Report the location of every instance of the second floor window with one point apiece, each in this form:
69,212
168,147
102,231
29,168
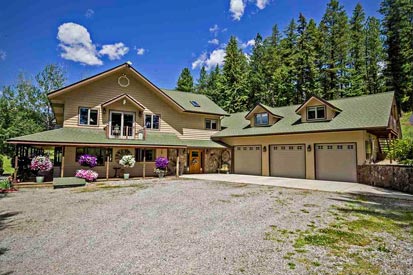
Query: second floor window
318,112
152,121
211,124
261,119
88,116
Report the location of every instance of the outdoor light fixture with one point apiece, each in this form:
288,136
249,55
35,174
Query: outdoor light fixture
309,148
104,110
264,149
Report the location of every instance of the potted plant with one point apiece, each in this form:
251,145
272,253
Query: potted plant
39,165
87,161
161,164
127,161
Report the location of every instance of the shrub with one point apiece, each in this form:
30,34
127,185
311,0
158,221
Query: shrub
402,151
88,175
5,184
88,161
127,161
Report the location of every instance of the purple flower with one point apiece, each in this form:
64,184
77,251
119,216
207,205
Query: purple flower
41,164
161,163
88,160
88,175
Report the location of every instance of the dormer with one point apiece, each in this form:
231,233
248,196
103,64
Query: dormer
317,109
262,115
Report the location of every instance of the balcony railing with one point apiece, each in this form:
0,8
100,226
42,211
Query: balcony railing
126,132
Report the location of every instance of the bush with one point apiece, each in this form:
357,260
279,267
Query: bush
5,184
1,165
401,150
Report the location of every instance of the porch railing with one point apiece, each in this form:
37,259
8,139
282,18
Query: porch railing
127,132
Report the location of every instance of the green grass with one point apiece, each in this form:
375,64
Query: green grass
7,165
407,129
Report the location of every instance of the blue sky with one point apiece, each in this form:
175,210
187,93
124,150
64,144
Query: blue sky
158,37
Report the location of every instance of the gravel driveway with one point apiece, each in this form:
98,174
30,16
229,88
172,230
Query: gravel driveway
200,227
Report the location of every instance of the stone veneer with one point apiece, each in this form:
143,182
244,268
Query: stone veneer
396,177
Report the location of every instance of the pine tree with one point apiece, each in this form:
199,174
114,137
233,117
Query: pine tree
306,62
214,86
334,29
235,82
201,86
357,53
256,76
398,29
185,81
374,57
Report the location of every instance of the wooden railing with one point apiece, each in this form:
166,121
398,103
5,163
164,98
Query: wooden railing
126,132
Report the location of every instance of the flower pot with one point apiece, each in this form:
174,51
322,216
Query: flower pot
126,176
39,179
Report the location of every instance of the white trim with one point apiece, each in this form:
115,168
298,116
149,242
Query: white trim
122,122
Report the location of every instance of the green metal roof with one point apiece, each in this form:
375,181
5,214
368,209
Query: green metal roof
98,137
184,100
370,111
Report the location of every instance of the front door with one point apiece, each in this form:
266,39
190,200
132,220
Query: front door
194,161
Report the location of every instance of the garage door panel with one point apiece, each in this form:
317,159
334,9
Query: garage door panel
336,162
247,160
287,161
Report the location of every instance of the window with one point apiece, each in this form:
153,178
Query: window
152,122
149,155
261,119
100,153
194,103
314,113
211,124
88,116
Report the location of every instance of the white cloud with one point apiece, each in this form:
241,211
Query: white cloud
114,51
216,57
140,51
261,4
214,41
214,29
247,44
3,55
77,46
89,13
237,8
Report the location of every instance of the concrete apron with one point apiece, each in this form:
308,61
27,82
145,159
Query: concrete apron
318,185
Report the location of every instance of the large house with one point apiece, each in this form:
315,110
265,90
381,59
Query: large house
120,112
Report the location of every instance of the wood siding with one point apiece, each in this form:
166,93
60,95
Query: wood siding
173,120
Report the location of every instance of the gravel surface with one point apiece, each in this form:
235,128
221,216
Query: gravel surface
180,227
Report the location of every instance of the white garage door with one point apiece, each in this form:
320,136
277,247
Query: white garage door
247,160
287,160
336,162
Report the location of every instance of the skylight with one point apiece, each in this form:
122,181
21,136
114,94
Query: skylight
194,103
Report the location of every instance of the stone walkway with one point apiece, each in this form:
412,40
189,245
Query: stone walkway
319,185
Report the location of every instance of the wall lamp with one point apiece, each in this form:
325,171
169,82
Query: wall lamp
264,149
309,148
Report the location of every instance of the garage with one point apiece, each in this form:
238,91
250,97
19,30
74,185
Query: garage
336,161
247,160
287,160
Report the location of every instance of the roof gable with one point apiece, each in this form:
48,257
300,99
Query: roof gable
258,107
127,97
316,98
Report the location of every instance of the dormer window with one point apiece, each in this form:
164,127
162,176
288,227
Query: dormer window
261,119
316,113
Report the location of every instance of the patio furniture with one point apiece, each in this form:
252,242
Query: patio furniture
224,169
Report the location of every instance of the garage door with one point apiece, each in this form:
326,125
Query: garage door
336,162
287,160
247,160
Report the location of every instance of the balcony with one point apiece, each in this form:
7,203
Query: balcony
127,132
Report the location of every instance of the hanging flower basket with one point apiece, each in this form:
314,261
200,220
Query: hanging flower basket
161,164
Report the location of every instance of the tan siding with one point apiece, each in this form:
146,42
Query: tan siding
314,102
94,94
197,134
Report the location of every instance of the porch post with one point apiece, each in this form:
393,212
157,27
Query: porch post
144,166
177,163
16,167
62,166
107,168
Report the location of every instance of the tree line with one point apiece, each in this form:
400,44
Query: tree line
25,108
341,56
